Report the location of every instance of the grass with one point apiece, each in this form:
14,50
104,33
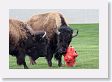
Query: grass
86,45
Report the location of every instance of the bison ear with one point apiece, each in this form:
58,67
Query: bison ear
75,33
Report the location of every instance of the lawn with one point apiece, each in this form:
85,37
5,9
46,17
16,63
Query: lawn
86,45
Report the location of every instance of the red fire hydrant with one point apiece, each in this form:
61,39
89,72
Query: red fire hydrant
70,56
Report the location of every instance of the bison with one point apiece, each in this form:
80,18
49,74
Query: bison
59,34
23,40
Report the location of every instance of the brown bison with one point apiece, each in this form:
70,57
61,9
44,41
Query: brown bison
59,34
23,40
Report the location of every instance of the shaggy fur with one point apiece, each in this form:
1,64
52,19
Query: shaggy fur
49,22
23,40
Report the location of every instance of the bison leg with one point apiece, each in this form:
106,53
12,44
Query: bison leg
58,58
49,63
21,60
32,62
25,66
49,58
59,62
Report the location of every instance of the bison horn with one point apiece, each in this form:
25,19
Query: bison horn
75,34
44,35
58,32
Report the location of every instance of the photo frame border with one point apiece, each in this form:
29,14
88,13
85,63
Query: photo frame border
102,72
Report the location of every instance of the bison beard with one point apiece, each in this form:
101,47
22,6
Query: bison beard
22,40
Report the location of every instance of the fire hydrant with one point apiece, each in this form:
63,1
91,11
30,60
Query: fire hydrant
70,56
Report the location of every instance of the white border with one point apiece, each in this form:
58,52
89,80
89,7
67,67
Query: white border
101,5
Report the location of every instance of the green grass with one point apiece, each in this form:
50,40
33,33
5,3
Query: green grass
86,45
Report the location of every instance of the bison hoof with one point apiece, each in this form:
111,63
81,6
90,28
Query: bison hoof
60,64
50,65
19,62
26,67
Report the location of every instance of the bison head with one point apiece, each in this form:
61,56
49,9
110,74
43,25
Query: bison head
39,45
65,36
38,36
35,39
